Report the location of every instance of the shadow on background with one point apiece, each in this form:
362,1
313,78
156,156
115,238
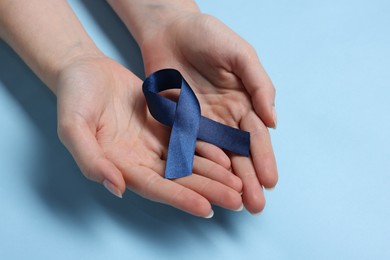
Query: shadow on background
57,180
117,32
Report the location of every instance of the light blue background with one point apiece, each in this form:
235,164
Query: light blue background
330,63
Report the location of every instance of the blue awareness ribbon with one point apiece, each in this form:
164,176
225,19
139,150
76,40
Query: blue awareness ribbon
187,123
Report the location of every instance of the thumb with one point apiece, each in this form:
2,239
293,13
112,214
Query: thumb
258,84
82,144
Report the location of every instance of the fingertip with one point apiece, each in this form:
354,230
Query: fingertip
117,187
266,169
270,189
269,182
76,135
195,204
252,194
262,155
210,215
254,201
236,202
259,86
152,186
106,173
112,188
231,200
240,208
275,118
265,108
253,198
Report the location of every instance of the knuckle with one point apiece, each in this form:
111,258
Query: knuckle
184,199
240,106
69,126
150,183
179,198
225,160
64,130
235,182
259,130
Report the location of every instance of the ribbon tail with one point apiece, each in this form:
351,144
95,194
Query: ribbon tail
181,149
225,137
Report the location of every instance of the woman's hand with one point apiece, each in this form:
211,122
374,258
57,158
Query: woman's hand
103,118
105,124
230,83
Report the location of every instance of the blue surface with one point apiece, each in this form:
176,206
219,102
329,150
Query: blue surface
330,63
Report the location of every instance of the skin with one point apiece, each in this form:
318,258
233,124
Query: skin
225,73
103,118
106,126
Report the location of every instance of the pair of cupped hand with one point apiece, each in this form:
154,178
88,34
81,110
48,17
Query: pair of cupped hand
105,123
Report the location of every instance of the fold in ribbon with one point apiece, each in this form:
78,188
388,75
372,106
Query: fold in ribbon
187,124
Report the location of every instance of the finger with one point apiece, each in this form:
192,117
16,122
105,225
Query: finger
216,191
252,194
258,84
82,144
213,153
213,191
152,186
262,154
216,172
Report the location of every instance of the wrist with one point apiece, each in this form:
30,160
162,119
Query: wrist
145,18
46,34
52,71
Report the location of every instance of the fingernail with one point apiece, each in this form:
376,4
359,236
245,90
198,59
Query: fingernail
275,117
210,215
257,214
240,208
112,188
269,189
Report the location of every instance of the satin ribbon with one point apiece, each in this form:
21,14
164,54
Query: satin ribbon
184,116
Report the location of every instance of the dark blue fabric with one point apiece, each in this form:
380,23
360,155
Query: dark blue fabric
187,124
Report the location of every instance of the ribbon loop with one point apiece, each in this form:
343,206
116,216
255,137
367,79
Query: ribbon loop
187,123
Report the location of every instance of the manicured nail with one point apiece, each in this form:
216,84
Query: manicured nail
210,215
240,208
257,214
275,117
269,189
112,188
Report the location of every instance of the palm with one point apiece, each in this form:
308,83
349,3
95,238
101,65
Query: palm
103,99
213,60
